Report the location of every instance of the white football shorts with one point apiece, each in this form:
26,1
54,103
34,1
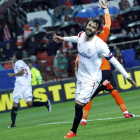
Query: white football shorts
22,92
85,90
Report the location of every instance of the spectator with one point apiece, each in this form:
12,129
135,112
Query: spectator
119,57
123,4
28,9
3,56
36,76
38,28
61,63
39,8
33,46
85,1
27,31
135,3
83,26
129,19
77,8
123,31
138,29
13,27
1,33
56,16
13,41
9,51
68,3
46,8
42,47
52,47
67,18
72,32
7,35
132,32
66,55
115,22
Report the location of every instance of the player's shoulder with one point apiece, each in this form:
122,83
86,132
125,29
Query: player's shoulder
19,63
99,41
97,38
81,33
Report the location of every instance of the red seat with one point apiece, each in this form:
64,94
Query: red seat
7,65
50,60
42,55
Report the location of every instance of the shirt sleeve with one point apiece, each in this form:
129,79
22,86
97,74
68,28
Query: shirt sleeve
73,39
119,67
107,21
103,49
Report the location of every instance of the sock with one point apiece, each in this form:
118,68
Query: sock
125,112
88,105
13,115
119,100
77,118
37,104
86,109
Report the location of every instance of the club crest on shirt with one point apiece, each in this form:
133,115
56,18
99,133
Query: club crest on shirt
89,50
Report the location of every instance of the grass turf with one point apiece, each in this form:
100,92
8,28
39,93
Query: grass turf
28,121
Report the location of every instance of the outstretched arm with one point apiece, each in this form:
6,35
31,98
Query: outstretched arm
69,39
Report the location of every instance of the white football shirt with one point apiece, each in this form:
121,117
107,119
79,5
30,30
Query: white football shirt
91,54
25,79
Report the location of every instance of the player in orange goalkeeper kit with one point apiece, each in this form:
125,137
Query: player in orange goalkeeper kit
106,72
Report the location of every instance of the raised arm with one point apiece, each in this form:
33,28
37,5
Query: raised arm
104,6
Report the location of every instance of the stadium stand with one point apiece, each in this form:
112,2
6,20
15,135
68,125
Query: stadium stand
12,28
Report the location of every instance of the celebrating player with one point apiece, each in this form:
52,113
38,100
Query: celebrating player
106,71
23,87
91,51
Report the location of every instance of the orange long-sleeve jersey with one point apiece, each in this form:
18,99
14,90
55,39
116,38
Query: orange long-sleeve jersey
103,35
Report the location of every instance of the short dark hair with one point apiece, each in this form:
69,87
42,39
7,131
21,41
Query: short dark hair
97,22
18,55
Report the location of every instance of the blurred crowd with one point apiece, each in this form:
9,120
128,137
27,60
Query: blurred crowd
14,38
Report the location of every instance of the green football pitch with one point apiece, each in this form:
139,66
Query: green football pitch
106,121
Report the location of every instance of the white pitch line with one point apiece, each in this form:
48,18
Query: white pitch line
87,120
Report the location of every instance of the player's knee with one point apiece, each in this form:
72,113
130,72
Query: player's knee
15,104
29,104
114,93
77,102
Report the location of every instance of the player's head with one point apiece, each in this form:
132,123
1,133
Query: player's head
18,55
92,28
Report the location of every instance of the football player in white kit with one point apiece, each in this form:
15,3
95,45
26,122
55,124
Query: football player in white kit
91,51
23,88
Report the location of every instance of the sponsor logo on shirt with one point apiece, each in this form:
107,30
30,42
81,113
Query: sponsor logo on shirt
84,55
89,50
